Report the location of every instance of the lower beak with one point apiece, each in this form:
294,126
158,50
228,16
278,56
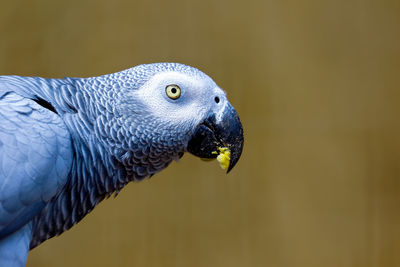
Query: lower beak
217,132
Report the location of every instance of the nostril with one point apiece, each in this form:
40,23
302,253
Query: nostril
216,99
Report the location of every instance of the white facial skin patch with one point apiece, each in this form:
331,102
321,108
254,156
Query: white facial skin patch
193,101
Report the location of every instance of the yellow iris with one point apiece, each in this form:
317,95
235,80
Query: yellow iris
173,91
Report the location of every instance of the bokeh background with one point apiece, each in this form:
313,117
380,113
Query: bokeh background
316,84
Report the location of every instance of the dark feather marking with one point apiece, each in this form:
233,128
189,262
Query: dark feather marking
44,103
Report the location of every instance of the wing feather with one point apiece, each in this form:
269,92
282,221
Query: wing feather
35,158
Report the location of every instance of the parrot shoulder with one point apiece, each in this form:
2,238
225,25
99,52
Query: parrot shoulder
35,158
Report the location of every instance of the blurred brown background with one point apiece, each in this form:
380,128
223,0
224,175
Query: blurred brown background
316,84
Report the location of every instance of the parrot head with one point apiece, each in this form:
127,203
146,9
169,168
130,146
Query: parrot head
168,109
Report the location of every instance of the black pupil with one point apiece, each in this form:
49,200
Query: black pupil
173,90
216,99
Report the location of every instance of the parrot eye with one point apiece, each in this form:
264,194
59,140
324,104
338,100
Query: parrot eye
173,91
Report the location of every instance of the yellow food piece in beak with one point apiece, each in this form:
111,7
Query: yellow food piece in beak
224,157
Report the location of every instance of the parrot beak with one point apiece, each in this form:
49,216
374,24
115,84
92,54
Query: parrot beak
218,133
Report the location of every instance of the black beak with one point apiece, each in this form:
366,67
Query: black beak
214,133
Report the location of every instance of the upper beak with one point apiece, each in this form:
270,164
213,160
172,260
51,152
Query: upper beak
224,130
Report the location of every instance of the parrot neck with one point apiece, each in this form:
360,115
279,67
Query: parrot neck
91,179
94,175
107,155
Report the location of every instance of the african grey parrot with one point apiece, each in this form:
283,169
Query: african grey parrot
66,144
